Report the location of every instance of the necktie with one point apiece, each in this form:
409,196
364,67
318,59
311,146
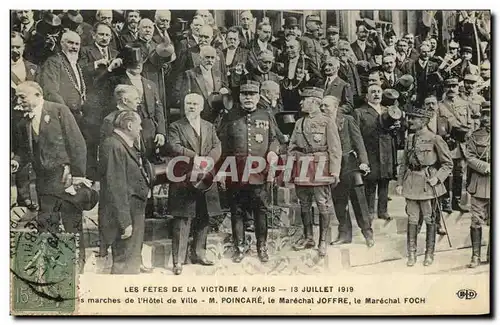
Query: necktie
248,37
104,53
391,80
328,81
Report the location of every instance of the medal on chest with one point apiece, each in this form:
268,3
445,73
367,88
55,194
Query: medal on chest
259,138
317,137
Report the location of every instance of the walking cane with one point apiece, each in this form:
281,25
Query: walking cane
436,198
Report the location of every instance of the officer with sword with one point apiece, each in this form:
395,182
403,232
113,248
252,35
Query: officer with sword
426,165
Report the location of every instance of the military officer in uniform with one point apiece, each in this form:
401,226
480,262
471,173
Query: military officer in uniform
247,132
315,144
458,123
426,165
477,152
470,95
354,161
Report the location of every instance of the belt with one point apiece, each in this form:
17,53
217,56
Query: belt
312,150
416,168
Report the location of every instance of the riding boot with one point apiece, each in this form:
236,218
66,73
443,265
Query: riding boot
324,223
307,240
412,244
475,235
430,243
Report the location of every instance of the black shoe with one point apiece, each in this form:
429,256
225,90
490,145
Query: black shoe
385,216
238,257
322,248
341,241
263,256
145,269
476,237
446,205
304,243
201,261
177,269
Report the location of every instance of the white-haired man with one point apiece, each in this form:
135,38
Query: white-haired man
61,76
192,137
163,19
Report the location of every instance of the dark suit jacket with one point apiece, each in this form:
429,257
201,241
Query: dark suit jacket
240,56
243,41
59,142
85,30
31,72
124,188
360,55
185,44
59,84
153,119
190,58
380,145
349,73
425,85
88,55
254,51
126,36
158,38
192,82
342,90
350,140
184,141
385,81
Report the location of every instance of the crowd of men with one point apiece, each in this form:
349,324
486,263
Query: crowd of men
96,107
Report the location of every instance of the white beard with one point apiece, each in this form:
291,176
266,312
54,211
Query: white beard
72,57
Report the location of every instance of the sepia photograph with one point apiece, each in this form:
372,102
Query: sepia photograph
250,162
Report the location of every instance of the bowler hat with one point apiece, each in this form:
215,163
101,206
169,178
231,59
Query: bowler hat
74,16
51,19
290,22
312,92
166,52
405,81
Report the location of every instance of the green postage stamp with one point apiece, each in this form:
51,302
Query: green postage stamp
43,271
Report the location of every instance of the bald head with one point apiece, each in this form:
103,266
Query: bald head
146,29
271,90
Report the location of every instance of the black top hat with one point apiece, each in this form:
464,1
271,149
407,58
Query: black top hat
131,55
221,102
290,22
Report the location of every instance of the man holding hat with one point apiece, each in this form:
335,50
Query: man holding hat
245,132
45,41
456,123
315,143
192,137
477,152
310,40
425,167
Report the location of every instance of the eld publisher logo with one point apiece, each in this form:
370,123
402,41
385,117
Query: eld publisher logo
467,294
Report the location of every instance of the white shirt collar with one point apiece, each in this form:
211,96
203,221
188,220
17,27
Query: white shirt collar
125,137
361,44
205,70
262,45
195,122
195,38
132,77
422,62
19,62
28,26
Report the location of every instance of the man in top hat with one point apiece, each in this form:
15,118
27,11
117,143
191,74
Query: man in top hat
425,167
457,123
315,138
350,187
150,108
477,152
130,31
310,40
380,146
290,29
247,132
206,80
470,95
335,86
49,144
195,138
125,188
61,76
466,67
